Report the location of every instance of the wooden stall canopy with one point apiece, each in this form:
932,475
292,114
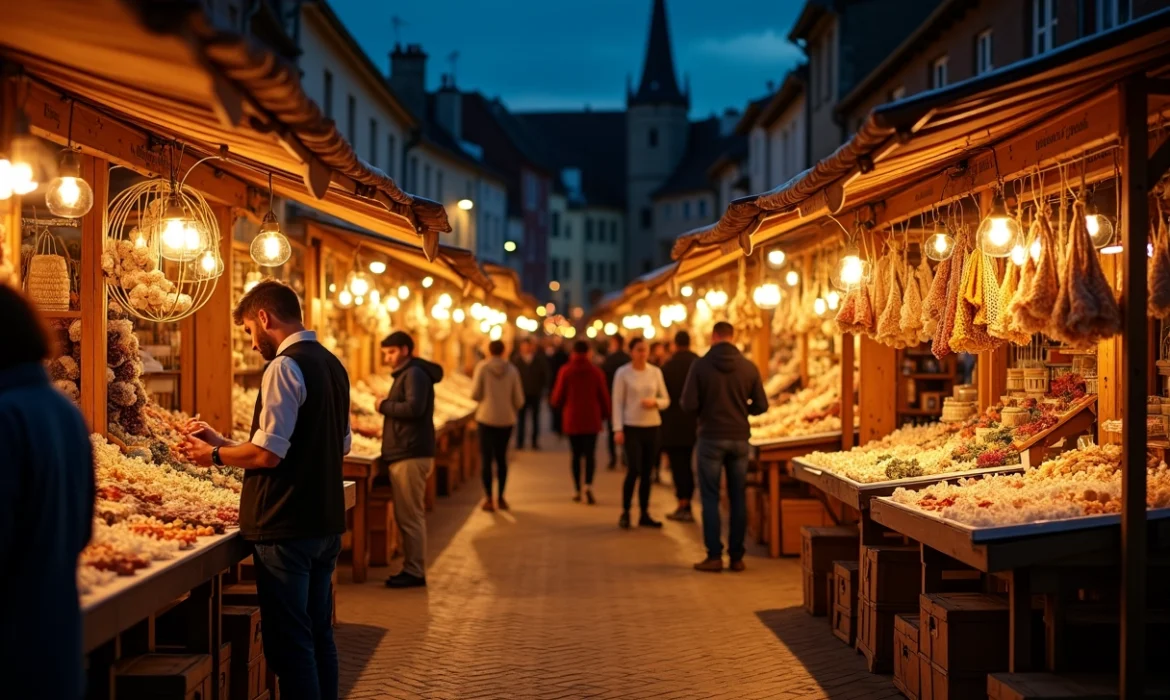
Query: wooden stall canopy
905,157
657,281
456,265
141,75
506,288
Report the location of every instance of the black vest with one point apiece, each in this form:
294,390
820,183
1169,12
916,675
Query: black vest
303,496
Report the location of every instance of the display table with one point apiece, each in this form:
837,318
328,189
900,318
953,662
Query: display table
772,454
362,469
1040,558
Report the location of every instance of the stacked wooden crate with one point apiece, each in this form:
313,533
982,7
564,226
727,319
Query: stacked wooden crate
820,547
961,639
890,581
844,613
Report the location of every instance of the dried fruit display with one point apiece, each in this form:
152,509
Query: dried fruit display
814,409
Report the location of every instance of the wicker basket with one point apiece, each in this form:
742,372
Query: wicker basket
1012,417
47,284
1036,380
954,411
1090,385
1015,380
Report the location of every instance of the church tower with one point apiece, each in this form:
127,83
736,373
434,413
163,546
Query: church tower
657,129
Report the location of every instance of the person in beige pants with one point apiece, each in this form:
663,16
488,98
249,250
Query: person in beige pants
408,447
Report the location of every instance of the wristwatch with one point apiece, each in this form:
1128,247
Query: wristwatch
215,457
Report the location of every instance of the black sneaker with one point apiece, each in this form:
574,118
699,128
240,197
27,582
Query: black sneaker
405,580
624,521
682,515
590,499
646,521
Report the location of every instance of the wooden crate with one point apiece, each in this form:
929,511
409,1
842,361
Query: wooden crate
243,593
271,685
241,627
906,655
795,515
891,575
248,680
225,670
1042,686
937,684
964,632
816,601
845,575
844,625
875,635
821,546
164,677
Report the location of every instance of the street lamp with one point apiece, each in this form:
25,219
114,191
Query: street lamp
466,204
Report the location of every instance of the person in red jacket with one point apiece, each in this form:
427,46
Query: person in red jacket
581,394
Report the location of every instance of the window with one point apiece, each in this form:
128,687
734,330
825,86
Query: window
1043,26
983,55
702,208
647,217
414,174
568,268
1111,13
826,66
897,93
568,231
374,142
427,180
556,224
588,230
439,186
351,120
391,151
938,72
556,268
652,137
328,95
613,232
588,273
686,209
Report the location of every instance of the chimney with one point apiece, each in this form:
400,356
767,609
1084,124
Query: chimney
449,107
727,123
408,78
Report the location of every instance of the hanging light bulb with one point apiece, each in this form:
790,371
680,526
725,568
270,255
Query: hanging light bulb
207,266
1019,255
344,298
445,300
833,299
687,291
375,297
270,248
392,304
767,295
776,257
24,168
69,195
1100,229
610,328
939,246
999,232
851,270
359,299
496,333
458,315
820,306
403,292
180,237
792,278
377,267
359,284
591,332
139,239
427,282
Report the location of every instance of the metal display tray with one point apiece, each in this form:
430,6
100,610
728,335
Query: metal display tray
857,494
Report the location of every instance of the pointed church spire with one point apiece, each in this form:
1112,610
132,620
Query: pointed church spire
659,85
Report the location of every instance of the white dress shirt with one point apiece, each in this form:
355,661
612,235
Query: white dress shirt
283,391
630,386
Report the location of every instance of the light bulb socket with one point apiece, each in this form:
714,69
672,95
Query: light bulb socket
270,224
69,165
999,207
175,208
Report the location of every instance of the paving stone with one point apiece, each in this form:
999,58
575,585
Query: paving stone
551,600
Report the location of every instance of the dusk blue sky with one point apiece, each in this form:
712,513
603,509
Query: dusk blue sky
564,54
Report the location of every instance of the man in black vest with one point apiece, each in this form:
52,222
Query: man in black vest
292,508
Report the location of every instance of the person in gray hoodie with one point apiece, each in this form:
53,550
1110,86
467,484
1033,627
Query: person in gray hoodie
723,387
497,387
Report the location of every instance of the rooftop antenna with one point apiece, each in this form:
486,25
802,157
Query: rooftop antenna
453,59
397,23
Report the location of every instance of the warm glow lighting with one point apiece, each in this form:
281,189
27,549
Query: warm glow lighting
209,265
332,288
554,286
403,292
569,332
610,328
820,306
250,281
833,299
377,267
359,300
509,246
648,332
776,257
999,232
440,313
1019,255
345,298
427,282
466,204
359,284
392,304
939,246
1112,249
496,333
792,278
375,297
1034,250
270,248
458,315
598,323
541,311
68,195
687,290
716,298
1100,229
445,300
591,332
550,308
180,239
767,296
139,239
484,326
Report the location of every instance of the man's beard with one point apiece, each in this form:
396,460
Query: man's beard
266,344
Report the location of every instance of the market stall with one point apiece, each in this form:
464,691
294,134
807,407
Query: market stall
995,218
171,131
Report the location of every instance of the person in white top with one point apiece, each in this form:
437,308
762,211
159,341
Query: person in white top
639,396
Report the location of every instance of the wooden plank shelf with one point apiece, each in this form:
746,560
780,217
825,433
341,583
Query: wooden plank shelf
59,314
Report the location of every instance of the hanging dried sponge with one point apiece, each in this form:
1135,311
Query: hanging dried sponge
1004,326
1086,311
910,321
889,325
946,325
1036,298
68,388
1158,277
847,314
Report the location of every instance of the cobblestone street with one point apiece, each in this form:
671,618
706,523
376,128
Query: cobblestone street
552,600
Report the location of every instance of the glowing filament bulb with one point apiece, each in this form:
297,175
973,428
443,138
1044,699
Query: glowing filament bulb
403,292
852,270
819,306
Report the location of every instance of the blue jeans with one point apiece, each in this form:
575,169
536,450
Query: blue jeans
296,609
714,456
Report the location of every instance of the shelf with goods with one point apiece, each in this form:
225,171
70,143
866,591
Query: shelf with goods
923,382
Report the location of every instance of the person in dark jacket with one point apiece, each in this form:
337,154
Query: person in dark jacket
533,366
678,427
723,388
46,513
557,358
292,506
581,394
408,447
614,359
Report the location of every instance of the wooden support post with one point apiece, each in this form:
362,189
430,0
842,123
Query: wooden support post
10,235
212,339
1134,216
847,388
1109,405
878,390
762,345
93,298
1020,622
992,376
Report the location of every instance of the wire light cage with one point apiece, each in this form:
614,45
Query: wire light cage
161,256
